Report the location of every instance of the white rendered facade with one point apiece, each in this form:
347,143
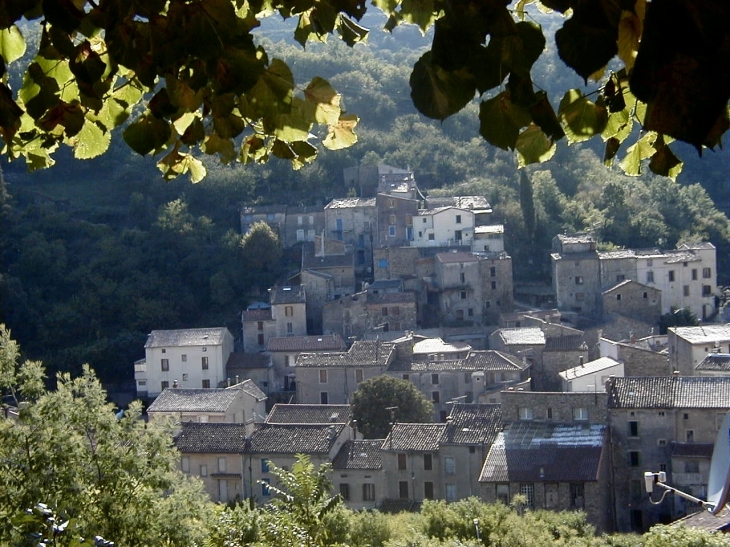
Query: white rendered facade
443,227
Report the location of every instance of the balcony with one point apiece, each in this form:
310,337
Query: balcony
687,479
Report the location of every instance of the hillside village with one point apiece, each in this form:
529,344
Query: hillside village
564,394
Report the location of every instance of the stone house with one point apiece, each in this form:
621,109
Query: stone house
662,424
527,343
367,180
395,214
576,273
357,473
715,364
541,432
591,376
289,310
331,378
688,346
258,327
273,215
354,315
301,224
285,350
635,300
640,357
191,358
353,221
488,239
242,403
309,414
256,367
559,354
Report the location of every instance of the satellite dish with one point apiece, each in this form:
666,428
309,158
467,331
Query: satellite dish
718,486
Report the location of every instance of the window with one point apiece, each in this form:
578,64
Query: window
706,290
706,273
494,285
636,489
689,435
222,464
620,278
528,490
685,290
650,277
435,379
502,491
185,377
577,495
322,376
487,304
391,230
382,263
204,362
403,490
431,237
427,462
324,398
409,220
264,465
205,349
405,376
402,461
311,220
428,490
633,429
549,413
384,311
260,339
458,219
359,375
289,328
470,312
691,466
206,384
203,470
265,490
661,442
164,385
450,491
368,492
289,311
165,364
396,310
184,358
662,467
462,277
345,491
618,296
578,279
449,465
579,296
580,414
436,397
671,275
185,464
300,220
463,295
467,377
525,413
694,275
634,459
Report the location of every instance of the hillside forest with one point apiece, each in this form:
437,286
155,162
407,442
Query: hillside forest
95,254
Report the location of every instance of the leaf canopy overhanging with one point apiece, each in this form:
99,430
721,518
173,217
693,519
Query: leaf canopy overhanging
189,74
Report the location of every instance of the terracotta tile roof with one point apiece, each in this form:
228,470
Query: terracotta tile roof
476,360
538,452
472,424
257,315
566,343
420,437
705,520
294,438
715,361
522,336
359,454
193,400
361,354
211,438
309,414
287,295
670,392
329,342
186,337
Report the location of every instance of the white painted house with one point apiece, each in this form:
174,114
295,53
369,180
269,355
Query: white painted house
443,227
185,358
591,376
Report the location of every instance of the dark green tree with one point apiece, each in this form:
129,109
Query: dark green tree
261,247
384,399
677,317
527,203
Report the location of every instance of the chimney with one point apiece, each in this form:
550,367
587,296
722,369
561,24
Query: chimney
632,337
236,379
580,360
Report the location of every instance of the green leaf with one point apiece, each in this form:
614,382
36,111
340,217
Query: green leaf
147,134
112,114
665,163
10,114
501,121
618,125
582,119
254,149
533,146
642,149
128,93
12,44
350,32
342,134
420,12
544,116
91,141
195,167
612,146
521,50
224,147
272,94
323,101
437,93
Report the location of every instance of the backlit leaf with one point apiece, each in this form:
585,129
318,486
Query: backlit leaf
12,44
582,119
91,141
437,93
224,147
612,146
323,100
501,121
420,12
642,149
342,134
665,163
629,34
147,134
351,32
533,146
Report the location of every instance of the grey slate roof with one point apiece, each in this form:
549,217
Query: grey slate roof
715,361
193,400
361,353
294,438
477,360
185,337
670,392
309,414
419,437
540,452
472,424
211,438
566,343
250,387
359,454
287,295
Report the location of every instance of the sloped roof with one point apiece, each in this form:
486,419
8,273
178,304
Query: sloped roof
571,342
287,295
420,437
589,368
437,345
476,360
359,454
193,400
294,438
670,392
361,353
329,342
472,424
522,336
455,258
309,414
703,334
345,203
212,438
715,361
541,452
692,450
312,262
186,337
243,361
391,298
250,387
257,315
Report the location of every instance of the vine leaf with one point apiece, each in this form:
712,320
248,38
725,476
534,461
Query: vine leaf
501,121
636,153
91,141
438,93
533,146
581,118
342,134
12,44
